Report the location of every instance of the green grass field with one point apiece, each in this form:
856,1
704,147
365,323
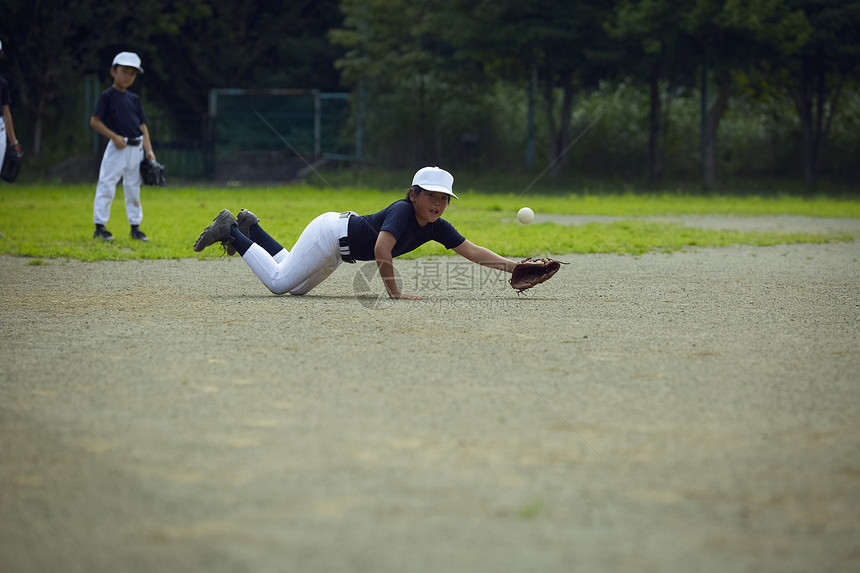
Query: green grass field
53,221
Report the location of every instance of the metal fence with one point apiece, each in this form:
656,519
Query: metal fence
274,134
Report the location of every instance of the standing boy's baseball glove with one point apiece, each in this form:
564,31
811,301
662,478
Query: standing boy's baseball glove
152,173
530,272
11,163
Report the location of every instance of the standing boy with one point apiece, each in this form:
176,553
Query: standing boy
119,117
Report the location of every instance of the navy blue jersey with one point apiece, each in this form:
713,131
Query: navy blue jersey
5,95
121,112
399,220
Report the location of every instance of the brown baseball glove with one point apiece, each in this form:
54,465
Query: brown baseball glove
531,272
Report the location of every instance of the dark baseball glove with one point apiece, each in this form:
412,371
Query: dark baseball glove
531,272
152,173
11,163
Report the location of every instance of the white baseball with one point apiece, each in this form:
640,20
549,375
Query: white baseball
525,215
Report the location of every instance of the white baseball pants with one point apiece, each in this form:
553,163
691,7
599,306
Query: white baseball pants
3,136
119,164
312,259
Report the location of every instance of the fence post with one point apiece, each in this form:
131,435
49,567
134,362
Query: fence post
317,124
210,128
530,126
359,125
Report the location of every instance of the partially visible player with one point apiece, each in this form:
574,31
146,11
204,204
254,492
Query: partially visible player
333,238
7,127
119,117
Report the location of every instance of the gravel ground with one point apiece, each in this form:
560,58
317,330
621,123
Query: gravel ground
688,412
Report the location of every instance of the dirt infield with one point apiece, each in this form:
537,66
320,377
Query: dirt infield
688,412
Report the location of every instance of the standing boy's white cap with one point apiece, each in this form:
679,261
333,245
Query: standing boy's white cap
435,179
128,59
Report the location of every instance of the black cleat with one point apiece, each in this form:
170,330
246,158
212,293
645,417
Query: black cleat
244,220
217,232
103,234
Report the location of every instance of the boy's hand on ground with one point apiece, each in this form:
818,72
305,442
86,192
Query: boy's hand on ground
402,296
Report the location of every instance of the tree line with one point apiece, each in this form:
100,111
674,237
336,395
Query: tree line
429,76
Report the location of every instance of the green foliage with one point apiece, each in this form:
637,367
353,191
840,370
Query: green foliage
49,222
416,94
818,74
446,82
187,48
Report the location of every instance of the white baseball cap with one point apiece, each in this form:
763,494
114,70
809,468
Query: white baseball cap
435,179
128,59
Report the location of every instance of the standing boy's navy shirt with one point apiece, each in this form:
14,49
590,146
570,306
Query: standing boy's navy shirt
121,112
399,220
5,95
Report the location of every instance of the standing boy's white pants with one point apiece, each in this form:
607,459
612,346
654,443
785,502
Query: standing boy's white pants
3,137
119,164
312,259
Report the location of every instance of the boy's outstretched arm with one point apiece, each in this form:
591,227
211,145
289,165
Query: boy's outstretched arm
10,126
484,256
382,251
147,143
